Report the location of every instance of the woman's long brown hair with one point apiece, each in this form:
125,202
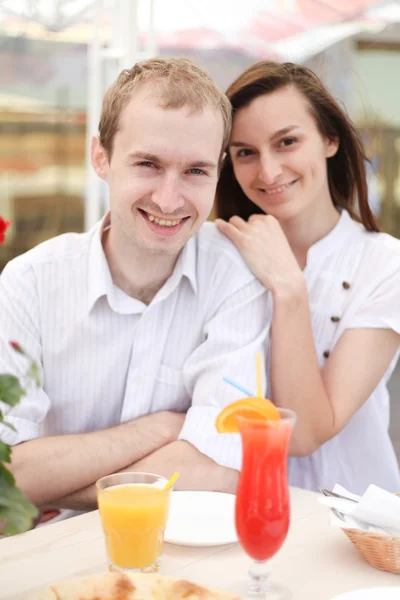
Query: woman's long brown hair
346,169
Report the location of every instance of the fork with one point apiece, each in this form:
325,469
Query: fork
327,492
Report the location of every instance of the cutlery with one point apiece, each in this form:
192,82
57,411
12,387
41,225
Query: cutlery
327,492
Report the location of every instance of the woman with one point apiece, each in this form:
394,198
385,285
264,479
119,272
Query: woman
294,200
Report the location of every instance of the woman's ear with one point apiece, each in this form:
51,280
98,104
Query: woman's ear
332,147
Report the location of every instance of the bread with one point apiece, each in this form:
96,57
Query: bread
137,586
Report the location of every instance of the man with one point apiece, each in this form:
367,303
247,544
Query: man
136,322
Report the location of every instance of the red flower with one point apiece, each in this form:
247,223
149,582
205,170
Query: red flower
16,347
4,225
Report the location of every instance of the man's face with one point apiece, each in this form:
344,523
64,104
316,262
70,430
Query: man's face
162,173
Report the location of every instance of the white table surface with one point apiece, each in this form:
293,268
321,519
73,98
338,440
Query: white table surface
316,561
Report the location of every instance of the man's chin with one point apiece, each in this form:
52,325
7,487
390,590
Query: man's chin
164,246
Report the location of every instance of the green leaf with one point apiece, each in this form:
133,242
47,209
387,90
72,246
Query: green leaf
16,512
11,391
7,479
34,373
5,452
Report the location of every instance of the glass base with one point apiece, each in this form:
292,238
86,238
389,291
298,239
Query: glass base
267,591
154,568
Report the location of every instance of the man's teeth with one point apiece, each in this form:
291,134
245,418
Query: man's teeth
163,222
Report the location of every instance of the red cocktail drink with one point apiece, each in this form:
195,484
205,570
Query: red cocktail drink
262,496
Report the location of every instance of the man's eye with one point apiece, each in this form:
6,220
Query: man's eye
195,171
146,163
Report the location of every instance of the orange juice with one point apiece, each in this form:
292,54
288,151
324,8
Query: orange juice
133,518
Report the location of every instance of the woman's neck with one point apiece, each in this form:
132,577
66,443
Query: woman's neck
306,229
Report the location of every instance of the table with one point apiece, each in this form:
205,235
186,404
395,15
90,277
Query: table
316,561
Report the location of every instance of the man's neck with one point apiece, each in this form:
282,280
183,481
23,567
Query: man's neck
138,274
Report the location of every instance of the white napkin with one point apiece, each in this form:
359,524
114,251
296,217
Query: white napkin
376,511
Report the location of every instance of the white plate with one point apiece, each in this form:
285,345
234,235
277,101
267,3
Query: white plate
376,593
201,519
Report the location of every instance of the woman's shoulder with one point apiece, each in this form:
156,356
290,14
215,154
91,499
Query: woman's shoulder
381,248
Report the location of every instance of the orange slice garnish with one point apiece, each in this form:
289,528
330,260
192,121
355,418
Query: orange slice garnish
251,408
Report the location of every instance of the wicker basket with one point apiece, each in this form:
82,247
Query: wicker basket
380,551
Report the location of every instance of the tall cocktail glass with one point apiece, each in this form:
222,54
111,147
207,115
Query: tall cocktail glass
262,511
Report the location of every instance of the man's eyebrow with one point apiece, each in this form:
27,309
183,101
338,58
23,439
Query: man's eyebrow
283,131
144,156
147,156
207,164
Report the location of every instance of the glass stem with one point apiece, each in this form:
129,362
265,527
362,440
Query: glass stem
259,574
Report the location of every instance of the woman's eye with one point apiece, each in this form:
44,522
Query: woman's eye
287,142
244,152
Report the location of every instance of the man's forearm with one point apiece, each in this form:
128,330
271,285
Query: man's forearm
54,467
196,472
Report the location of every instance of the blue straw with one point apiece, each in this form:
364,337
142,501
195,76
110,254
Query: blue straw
237,386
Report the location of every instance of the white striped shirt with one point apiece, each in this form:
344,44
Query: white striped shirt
106,358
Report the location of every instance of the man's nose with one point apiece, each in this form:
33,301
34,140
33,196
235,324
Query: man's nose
167,195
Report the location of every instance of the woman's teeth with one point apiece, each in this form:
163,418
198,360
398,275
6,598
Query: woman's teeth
277,190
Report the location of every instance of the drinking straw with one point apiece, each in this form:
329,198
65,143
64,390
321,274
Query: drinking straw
171,481
258,375
238,386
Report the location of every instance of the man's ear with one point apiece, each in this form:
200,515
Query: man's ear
99,158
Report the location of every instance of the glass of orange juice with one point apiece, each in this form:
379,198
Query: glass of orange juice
133,510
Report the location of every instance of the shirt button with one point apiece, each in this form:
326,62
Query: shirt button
326,353
335,319
346,285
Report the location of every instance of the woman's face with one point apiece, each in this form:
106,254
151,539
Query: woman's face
279,156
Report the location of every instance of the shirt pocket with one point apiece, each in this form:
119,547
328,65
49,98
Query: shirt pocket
170,392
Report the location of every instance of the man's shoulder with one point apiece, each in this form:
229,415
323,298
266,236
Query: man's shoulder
215,244
59,250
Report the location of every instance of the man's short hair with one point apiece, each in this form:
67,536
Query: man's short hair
179,81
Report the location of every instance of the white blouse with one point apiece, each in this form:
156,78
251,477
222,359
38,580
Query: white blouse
353,280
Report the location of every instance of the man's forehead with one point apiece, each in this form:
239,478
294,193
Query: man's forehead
153,129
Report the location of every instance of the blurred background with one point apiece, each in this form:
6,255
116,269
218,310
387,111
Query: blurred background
58,56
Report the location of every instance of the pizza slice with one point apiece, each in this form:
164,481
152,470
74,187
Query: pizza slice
137,586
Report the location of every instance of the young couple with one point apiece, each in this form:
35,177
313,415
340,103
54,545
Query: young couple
135,322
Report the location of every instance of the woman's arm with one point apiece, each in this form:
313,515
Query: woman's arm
324,400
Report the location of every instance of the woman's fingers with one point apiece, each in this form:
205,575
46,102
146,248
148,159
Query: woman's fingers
230,230
239,223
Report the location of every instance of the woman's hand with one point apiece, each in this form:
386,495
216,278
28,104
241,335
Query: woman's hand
265,249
